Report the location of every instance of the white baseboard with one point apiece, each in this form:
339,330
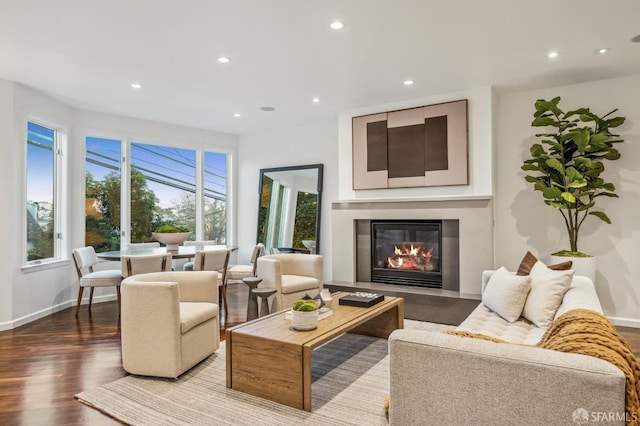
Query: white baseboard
34,316
9,325
625,322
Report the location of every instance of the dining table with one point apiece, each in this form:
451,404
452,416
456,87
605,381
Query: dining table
183,252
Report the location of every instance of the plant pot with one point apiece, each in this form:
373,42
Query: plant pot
171,239
585,266
304,320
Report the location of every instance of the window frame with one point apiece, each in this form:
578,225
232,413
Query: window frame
125,179
60,196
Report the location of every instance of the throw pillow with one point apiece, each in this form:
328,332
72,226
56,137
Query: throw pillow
547,291
506,294
529,260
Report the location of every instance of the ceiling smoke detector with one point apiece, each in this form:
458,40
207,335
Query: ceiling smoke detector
636,39
267,108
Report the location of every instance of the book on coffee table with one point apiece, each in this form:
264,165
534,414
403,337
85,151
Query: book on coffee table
361,299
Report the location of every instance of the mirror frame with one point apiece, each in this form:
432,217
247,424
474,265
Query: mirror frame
320,169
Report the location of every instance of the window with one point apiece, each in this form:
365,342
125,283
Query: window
215,197
43,194
103,194
163,189
165,186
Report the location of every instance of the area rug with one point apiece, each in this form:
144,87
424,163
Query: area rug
350,381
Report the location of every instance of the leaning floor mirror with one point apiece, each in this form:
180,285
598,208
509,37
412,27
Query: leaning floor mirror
289,209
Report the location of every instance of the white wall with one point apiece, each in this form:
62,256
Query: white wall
524,222
26,296
312,144
8,176
33,293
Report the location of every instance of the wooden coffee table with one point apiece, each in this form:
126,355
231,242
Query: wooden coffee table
268,358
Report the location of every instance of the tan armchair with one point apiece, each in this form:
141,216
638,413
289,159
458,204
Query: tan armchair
169,321
292,275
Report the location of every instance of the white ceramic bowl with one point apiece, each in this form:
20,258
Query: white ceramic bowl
310,245
172,239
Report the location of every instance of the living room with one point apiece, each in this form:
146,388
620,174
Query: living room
499,136
515,219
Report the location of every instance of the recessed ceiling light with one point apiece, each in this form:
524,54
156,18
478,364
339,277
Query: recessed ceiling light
267,108
316,100
552,55
408,82
336,25
236,115
136,86
224,60
602,51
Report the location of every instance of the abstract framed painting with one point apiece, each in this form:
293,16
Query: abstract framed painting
415,147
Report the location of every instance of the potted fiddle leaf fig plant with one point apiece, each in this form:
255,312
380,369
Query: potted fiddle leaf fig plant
568,163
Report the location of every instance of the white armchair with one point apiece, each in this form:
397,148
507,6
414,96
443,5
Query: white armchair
169,321
292,275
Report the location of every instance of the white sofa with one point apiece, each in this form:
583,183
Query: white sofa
438,378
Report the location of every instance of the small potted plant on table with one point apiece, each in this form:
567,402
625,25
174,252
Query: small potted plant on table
304,315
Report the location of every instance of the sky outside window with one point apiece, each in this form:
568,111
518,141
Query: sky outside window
40,163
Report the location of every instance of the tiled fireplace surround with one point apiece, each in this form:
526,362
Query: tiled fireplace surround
473,213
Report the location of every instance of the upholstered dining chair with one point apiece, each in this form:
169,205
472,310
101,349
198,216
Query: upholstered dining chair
292,275
215,260
133,246
85,259
188,266
238,272
134,265
169,323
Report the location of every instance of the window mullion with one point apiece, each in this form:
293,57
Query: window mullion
59,221
199,195
125,195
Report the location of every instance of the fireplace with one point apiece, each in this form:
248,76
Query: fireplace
407,252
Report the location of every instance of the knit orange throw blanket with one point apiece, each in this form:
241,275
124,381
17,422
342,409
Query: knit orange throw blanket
586,332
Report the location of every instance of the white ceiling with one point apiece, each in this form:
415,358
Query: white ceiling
283,53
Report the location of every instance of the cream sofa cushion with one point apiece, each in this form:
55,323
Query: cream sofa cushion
506,294
484,321
547,290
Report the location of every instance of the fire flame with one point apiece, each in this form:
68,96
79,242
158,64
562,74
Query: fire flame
413,258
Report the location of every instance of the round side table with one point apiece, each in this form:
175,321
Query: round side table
264,294
252,301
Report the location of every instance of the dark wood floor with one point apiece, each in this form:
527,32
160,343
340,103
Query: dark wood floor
43,364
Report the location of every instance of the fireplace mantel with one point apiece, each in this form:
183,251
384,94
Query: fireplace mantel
344,203
474,213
